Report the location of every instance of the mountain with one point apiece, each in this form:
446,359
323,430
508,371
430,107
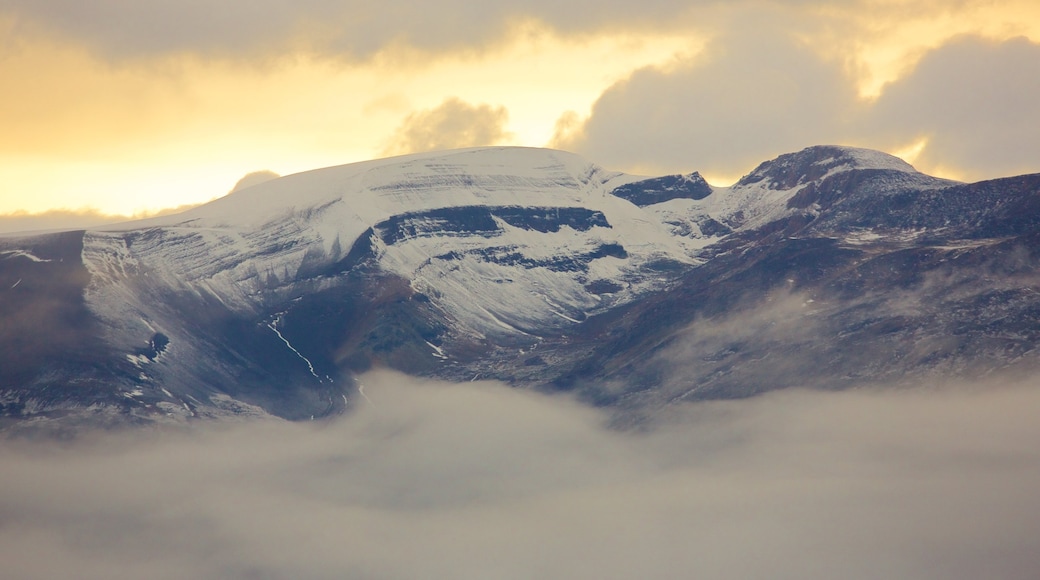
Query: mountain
832,267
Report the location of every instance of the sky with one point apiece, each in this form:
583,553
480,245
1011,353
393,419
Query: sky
129,107
479,480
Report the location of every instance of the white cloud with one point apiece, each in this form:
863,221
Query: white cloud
751,96
975,101
760,93
451,125
478,480
254,178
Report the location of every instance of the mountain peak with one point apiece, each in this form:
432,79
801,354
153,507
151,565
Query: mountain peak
790,170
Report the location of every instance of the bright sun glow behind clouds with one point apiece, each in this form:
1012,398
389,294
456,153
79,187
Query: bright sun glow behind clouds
153,135
898,33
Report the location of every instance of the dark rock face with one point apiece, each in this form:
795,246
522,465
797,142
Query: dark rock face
480,220
155,347
661,189
816,313
47,332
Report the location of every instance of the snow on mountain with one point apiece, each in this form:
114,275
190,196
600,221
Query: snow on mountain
503,239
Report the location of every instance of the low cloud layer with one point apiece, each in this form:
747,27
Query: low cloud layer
478,480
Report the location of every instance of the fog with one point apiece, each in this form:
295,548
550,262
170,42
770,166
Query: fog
432,480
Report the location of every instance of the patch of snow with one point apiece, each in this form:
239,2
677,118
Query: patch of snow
861,237
437,351
564,316
298,353
138,359
7,255
872,159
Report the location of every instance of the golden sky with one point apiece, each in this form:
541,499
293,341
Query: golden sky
131,106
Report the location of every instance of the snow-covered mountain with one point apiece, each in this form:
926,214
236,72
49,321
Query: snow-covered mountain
532,266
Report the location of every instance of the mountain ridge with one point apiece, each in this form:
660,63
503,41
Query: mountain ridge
531,266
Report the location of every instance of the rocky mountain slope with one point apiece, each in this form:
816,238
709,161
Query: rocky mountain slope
831,267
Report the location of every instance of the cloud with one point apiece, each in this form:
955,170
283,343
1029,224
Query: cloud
123,29
761,89
751,96
451,125
762,92
61,219
254,178
975,101
72,219
479,480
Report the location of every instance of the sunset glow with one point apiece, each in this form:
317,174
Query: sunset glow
104,118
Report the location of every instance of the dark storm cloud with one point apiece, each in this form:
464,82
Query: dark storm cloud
976,101
450,125
478,480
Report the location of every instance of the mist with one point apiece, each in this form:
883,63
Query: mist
74,219
436,480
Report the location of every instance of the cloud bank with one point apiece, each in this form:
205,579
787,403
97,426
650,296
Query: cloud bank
476,481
